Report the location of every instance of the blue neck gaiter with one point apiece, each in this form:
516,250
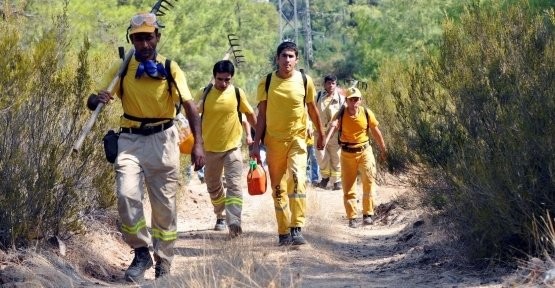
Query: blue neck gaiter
152,68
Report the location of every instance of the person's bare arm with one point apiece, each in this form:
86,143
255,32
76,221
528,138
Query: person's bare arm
260,127
332,127
247,127
377,135
197,155
315,117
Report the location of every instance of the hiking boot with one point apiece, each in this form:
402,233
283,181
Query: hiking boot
337,186
235,230
161,269
220,225
353,223
323,183
367,219
141,262
297,236
285,240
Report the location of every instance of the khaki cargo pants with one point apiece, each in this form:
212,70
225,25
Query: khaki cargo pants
329,160
230,164
152,160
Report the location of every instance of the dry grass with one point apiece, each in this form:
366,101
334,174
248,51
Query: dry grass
540,271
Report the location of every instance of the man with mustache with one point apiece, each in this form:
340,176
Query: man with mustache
148,151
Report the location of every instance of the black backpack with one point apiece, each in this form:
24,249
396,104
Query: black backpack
340,118
269,79
237,96
267,86
171,81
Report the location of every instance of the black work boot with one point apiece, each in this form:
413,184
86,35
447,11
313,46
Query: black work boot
337,186
354,223
297,236
161,269
220,225
324,183
141,262
285,240
235,230
367,219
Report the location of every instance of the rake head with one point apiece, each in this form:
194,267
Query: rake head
159,9
235,49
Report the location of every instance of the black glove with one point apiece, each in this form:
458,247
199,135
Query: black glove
92,102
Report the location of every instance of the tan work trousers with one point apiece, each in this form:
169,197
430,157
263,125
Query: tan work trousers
287,168
329,160
229,163
364,163
154,158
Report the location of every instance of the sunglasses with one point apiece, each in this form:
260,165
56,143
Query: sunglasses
353,99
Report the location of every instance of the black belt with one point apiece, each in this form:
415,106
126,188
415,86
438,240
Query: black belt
354,149
148,130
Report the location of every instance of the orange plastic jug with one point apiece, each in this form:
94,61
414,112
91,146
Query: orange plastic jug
186,140
256,179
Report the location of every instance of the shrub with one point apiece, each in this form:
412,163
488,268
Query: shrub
483,114
46,189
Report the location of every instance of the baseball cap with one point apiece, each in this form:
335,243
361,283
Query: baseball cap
353,92
143,22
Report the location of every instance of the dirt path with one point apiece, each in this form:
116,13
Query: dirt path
400,250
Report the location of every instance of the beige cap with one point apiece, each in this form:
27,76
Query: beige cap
353,92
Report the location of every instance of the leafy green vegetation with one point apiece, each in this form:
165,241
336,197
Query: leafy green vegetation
480,114
46,190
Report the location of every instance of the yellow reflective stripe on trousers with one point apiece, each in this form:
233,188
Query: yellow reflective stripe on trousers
335,174
325,173
286,207
297,195
135,228
164,235
234,201
218,201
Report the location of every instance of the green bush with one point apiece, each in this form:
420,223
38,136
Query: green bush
482,115
382,97
46,189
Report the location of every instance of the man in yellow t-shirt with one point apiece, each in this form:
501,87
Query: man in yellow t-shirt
282,122
222,131
355,123
148,151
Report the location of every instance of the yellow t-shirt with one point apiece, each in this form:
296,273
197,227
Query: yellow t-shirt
221,129
285,106
353,130
147,97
